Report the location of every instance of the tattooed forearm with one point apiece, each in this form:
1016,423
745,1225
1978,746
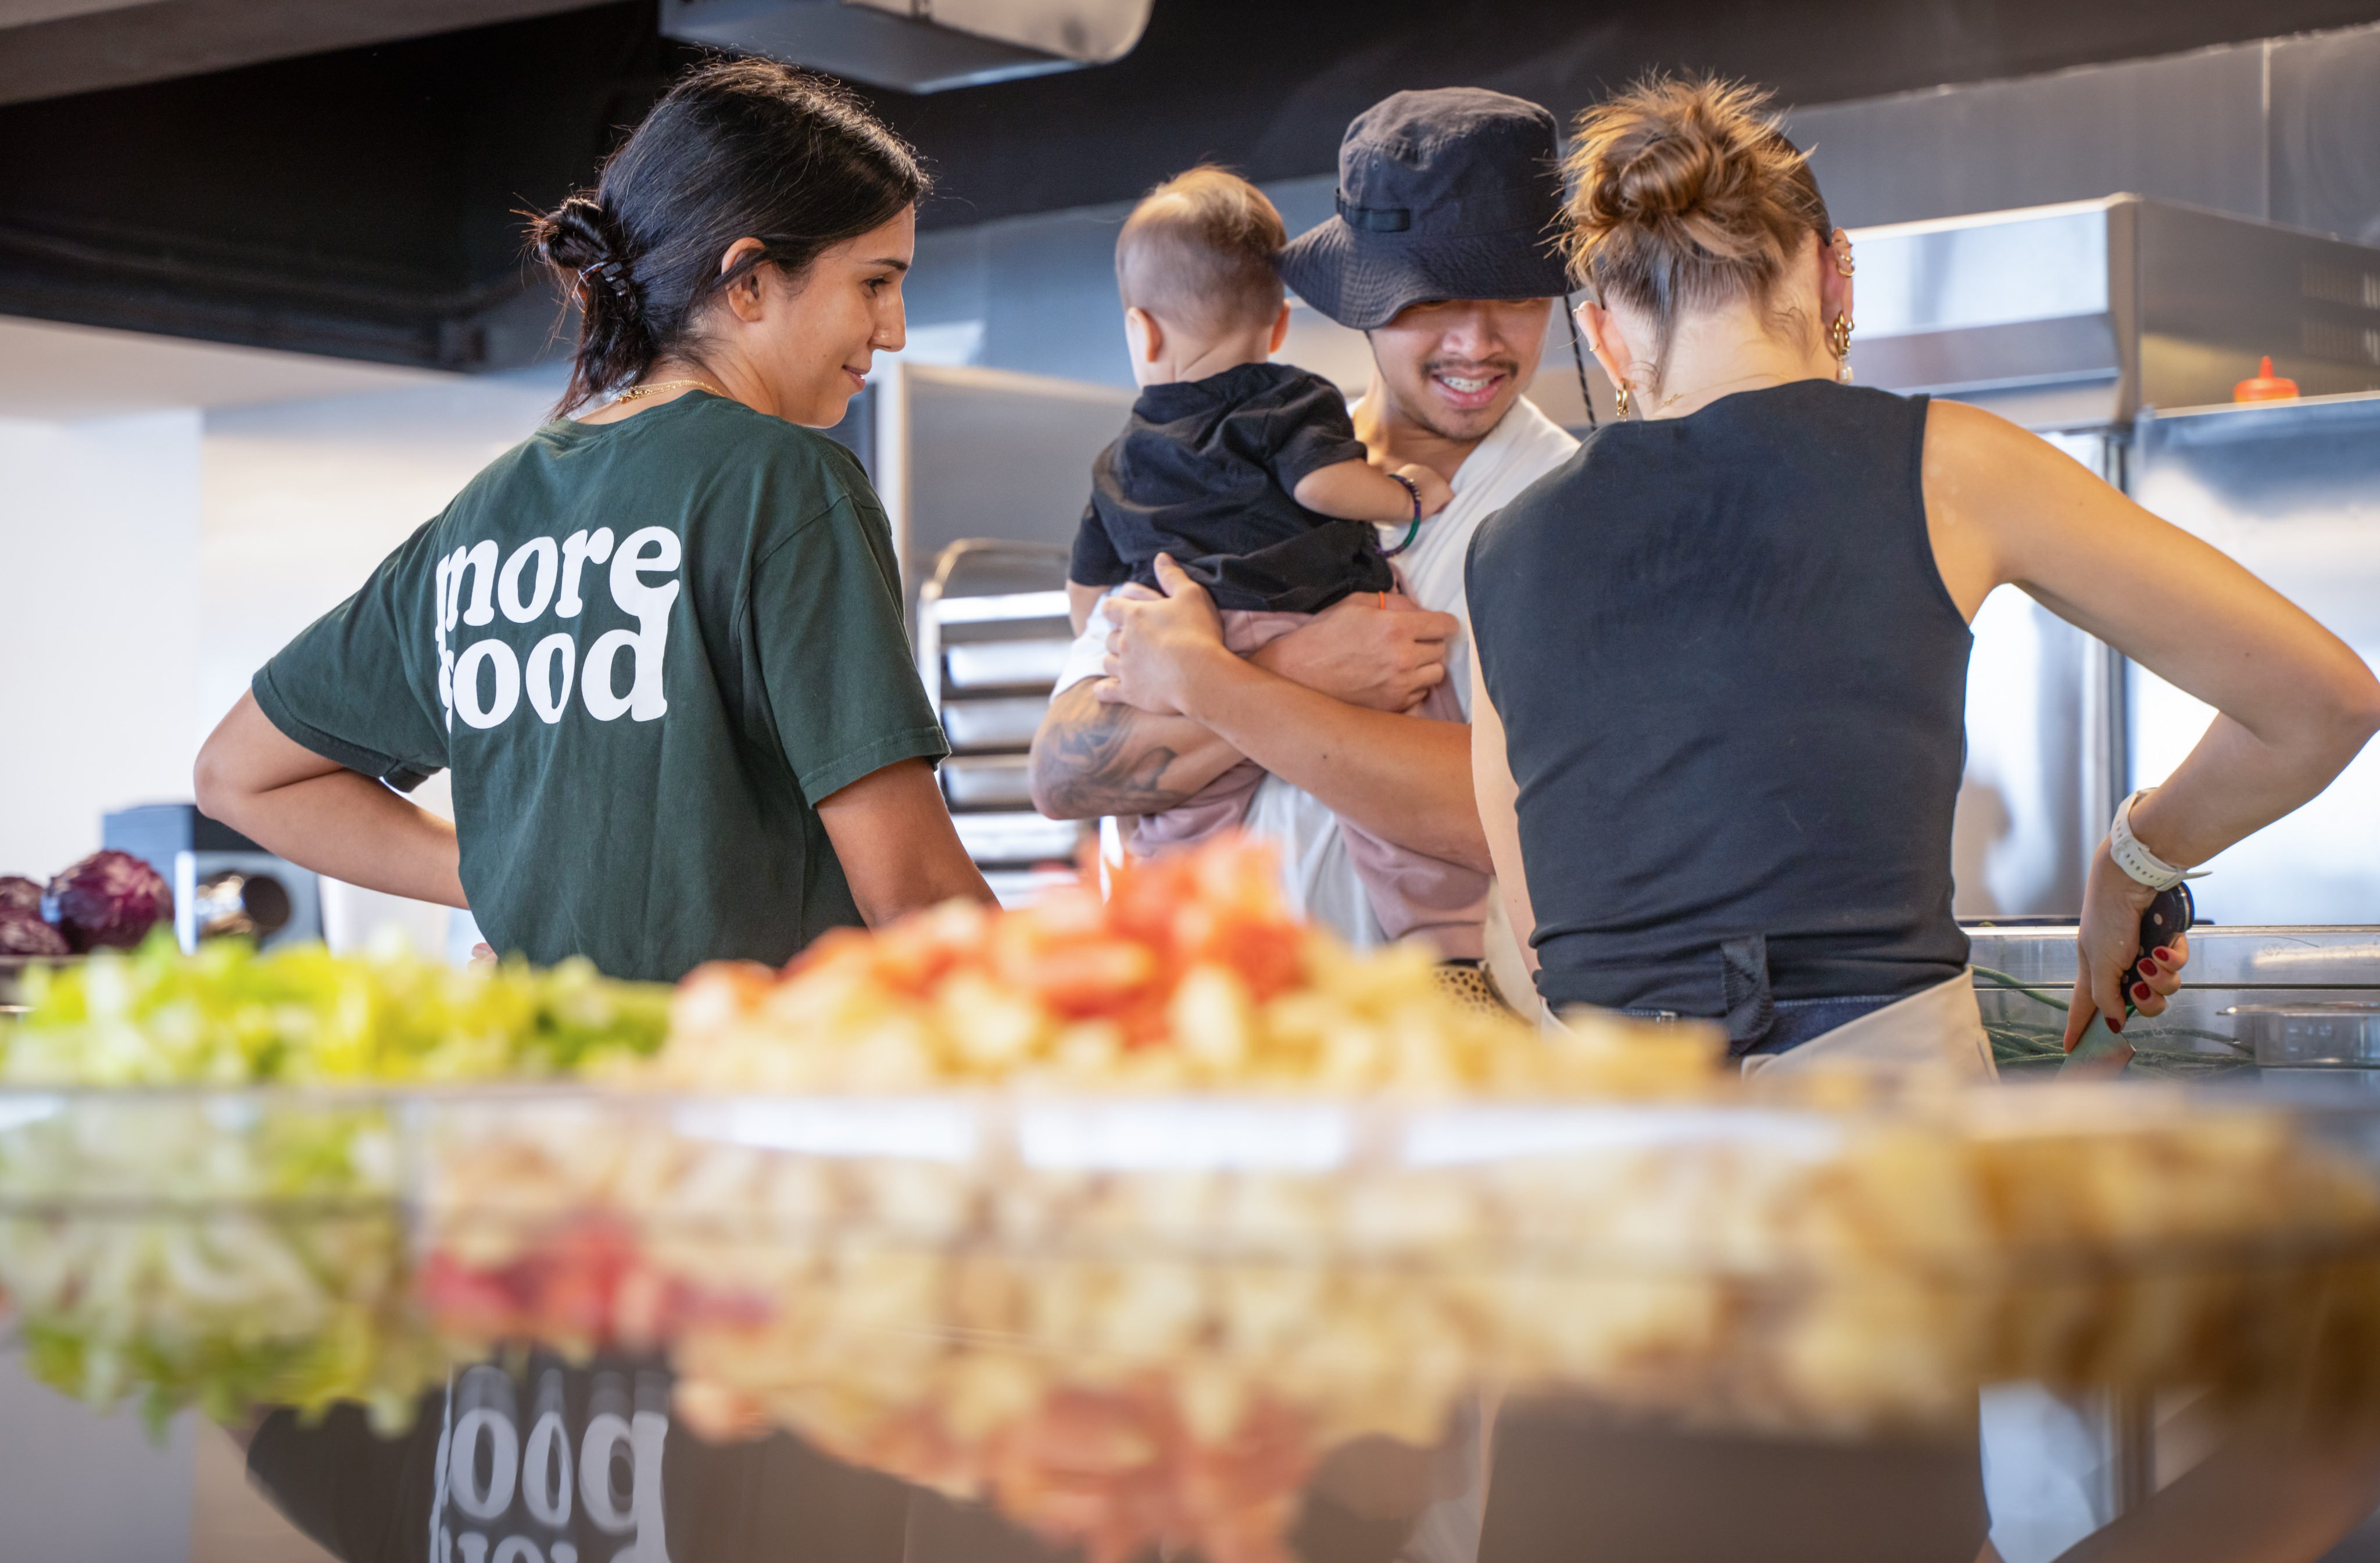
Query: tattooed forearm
1090,759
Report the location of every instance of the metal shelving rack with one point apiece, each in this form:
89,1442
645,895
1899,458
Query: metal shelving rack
992,635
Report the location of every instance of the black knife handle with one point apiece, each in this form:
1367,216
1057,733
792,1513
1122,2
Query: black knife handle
2169,917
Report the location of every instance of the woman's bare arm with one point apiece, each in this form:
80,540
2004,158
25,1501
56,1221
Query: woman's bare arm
320,815
1498,798
2274,1500
900,853
2295,703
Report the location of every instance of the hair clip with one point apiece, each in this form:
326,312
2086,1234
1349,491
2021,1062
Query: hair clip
613,275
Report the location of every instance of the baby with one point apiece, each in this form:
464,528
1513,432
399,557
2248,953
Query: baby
1248,473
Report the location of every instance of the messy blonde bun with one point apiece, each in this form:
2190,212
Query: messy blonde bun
1685,197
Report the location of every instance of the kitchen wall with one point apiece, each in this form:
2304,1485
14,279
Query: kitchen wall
298,501
100,626
2286,129
1043,287
155,561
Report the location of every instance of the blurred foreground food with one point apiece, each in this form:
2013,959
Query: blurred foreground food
1123,1215
231,1251
230,1016
1191,973
1132,1322
221,1254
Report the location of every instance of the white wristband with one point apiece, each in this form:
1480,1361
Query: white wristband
2134,859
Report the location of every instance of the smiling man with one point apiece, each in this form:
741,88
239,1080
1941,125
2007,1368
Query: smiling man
1442,253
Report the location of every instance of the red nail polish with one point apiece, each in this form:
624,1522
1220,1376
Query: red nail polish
2140,990
2115,1025
2164,955
2147,967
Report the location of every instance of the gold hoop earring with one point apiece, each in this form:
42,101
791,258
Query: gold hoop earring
1621,399
1838,342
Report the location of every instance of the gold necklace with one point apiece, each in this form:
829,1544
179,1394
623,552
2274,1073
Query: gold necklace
633,391
1673,399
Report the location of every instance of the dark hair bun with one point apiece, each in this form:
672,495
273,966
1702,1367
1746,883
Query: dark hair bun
575,235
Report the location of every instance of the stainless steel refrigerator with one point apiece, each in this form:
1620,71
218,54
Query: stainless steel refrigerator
2117,328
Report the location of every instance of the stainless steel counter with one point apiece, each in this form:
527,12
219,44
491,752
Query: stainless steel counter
2243,959
2230,969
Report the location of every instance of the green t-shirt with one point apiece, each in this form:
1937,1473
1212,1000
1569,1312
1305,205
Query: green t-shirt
645,650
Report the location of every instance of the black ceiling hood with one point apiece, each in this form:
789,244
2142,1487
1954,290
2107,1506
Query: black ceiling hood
360,202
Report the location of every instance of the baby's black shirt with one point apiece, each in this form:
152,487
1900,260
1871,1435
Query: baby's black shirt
1204,471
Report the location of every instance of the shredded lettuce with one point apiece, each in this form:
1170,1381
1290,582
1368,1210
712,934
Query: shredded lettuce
229,1015
233,1251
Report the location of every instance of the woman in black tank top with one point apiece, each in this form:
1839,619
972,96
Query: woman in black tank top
1723,653
1718,726
1752,618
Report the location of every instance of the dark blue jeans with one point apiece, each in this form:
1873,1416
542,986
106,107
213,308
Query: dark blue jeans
1798,1020
1805,1020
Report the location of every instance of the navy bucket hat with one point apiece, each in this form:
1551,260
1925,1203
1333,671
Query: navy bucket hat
1451,193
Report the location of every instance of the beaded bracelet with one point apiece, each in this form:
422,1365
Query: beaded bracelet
1413,531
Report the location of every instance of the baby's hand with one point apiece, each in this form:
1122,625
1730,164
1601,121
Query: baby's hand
1436,492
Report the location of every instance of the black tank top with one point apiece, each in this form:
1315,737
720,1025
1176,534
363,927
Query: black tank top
1733,690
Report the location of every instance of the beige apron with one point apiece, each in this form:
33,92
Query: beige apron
1938,1030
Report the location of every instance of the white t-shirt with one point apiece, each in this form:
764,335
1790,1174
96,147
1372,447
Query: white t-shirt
1316,870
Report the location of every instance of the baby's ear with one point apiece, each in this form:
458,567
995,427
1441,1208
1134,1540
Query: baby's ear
1148,337
1279,328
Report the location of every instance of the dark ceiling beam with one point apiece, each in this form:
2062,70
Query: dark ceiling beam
358,202
361,202
123,46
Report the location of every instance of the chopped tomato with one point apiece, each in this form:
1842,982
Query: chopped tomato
1091,978
584,1282
1269,958
830,948
1082,957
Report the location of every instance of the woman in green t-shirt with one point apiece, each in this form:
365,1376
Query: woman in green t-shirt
658,646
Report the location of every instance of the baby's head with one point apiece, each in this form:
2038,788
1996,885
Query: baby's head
1198,266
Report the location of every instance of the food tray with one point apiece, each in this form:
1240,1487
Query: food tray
120,1147
1723,1232
913,1283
